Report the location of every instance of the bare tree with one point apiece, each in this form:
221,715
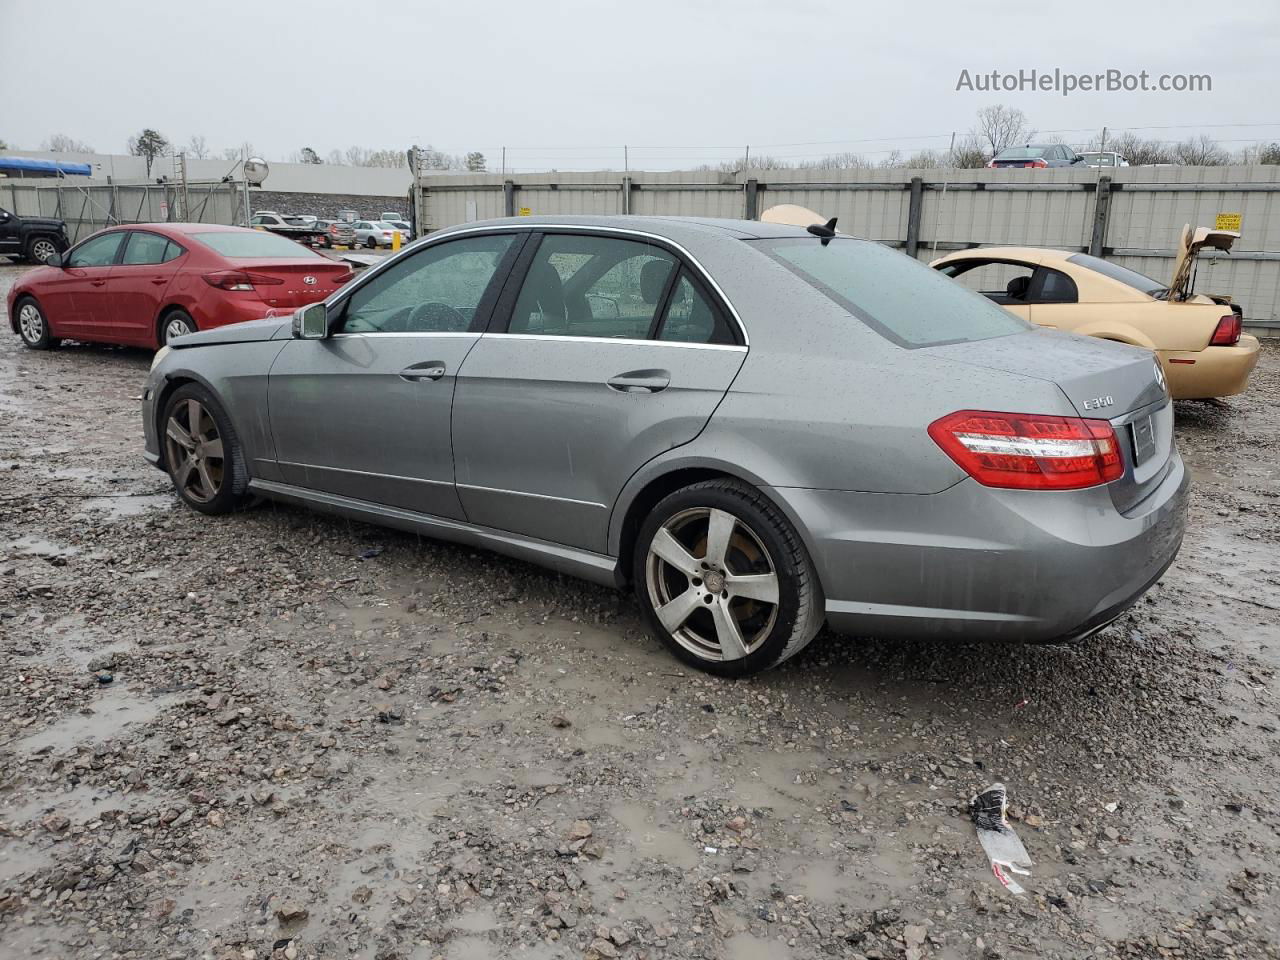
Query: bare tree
1135,149
198,147
61,143
149,144
839,161
355,156
969,154
385,158
234,153
1201,151
335,157
1000,126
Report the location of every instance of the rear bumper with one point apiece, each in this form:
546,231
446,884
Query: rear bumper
1211,372
973,563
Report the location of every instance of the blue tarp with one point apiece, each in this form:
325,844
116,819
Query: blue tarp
49,168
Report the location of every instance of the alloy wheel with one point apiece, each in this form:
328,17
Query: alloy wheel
176,327
42,250
195,451
712,583
30,323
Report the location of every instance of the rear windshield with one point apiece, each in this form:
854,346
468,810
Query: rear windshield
898,297
253,243
1132,278
1021,153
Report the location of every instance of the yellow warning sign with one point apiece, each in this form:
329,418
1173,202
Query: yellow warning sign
1227,221
526,212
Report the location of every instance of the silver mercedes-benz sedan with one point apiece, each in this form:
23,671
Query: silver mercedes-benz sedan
761,428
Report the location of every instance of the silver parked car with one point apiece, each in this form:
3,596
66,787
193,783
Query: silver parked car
761,427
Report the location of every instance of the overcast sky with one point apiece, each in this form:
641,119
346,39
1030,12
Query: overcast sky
566,84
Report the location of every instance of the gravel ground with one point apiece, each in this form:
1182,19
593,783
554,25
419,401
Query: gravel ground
279,734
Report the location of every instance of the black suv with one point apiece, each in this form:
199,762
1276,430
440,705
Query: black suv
31,238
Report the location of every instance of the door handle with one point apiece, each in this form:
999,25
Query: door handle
427,370
640,381
97,283
159,280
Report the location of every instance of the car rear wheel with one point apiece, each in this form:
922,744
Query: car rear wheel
40,249
371,243
202,452
175,323
724,580
33,327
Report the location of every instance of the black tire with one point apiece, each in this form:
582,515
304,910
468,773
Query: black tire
33,325
229,471
761,541
173,319
371,243
40,249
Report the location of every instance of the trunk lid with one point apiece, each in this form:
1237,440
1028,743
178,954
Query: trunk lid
1189,247
1101,380
298,282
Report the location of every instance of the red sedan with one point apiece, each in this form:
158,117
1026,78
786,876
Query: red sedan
144,284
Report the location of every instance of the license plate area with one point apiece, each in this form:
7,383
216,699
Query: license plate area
1142,434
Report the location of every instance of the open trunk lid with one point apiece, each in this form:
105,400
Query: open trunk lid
1102,381
1189,247
293,283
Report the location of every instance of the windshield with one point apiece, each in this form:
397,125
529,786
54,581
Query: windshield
1021,153
1131,278
253,243
897,296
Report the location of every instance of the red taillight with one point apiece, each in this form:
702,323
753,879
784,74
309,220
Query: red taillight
1227,333
1037,163
238,280
991,163
342,278
1030,451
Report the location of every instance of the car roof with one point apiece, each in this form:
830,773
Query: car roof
1033,254
673,228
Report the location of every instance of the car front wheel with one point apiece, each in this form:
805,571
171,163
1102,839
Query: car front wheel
202,451
33,326
724,580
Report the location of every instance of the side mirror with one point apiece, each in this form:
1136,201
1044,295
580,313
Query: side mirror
53,260
311,323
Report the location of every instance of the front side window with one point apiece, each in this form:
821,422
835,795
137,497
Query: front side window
586,286
98,251
1000,280
149,248
437,290
898,297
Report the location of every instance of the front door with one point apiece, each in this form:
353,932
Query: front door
138,284
614,353
10,240
365,413
78,298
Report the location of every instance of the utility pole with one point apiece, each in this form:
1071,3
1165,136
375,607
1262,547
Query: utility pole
504,161
625,160
746,158
1103,147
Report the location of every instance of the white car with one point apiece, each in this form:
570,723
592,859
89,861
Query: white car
377,233
1095,158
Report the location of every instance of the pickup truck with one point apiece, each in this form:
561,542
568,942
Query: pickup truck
305,230
31,238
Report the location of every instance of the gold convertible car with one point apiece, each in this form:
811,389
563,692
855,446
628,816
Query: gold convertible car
1196,336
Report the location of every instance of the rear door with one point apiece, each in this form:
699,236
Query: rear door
138,283
10,241
607,352
365,413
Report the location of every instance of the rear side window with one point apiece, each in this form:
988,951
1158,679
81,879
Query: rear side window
586,286
97,251
898,297
254,243
691,317
149,248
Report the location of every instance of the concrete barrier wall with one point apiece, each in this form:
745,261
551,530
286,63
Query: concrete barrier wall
1133,215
